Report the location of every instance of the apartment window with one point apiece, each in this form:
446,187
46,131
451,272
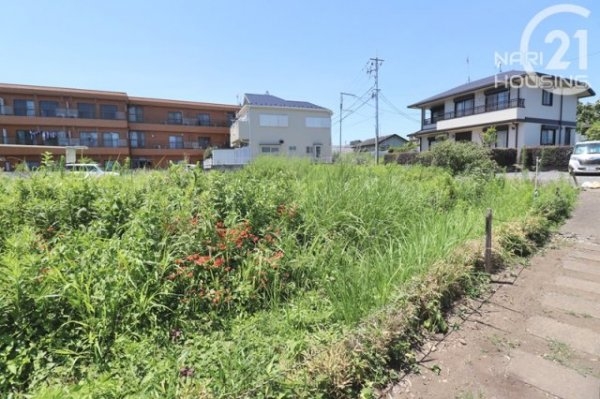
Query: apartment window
48,108
86,110
24,137
267,149
464,106
547,98
316,122
175,142
271,120
137,139
108,111
203,142
548,136
496,100
204,119
24,107
175,118
136,114
89,138
110,139
230,118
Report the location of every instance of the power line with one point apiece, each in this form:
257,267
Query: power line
398,111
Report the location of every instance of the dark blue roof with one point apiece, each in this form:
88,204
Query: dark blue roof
269,100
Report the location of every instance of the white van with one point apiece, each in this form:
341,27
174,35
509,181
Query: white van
585,158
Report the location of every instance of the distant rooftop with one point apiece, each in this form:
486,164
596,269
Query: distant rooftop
372,140
269,100
479,84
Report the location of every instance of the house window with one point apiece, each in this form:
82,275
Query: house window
175,142
497,100
86,110
437,113
464,106
267,120
463,136
175,118
547,98
204,119
309,150
548,136
203,142
108,111
318,122
317,151
136,113
48,108
24,107
88,138
292,148
137,139
269,149
111,139
567,139
502,137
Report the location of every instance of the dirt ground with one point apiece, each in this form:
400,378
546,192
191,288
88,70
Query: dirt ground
536,334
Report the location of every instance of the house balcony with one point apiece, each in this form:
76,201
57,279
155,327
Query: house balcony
481,115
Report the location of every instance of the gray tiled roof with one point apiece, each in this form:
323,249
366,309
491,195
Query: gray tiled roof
490,81
468,87
381,139
269,100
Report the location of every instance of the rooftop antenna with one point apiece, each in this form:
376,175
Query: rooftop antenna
468,71
499,67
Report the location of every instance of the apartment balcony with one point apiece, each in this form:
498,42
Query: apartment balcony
64,142
223,123
484,114
59,113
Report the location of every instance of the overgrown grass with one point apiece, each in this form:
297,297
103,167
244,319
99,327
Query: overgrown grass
246,284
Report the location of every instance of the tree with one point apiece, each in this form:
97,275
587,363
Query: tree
587,115
593,132
489,136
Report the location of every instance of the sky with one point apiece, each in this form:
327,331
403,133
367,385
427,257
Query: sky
311,50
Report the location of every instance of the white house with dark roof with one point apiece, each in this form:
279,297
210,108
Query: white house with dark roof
267,124
527,109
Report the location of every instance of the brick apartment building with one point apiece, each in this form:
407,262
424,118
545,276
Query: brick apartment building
107,126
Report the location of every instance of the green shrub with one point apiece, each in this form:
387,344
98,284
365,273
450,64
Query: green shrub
551,157
460,157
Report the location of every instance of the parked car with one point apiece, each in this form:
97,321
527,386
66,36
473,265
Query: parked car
585,158
88,169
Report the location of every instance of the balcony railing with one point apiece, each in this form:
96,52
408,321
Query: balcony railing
514,103
65,142
59,113
182,121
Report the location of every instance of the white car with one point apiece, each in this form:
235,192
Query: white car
585,158
89,169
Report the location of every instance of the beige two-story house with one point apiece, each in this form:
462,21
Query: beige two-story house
267,124
527,109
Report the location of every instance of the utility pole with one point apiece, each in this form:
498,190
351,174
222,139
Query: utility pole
374,68
342,94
